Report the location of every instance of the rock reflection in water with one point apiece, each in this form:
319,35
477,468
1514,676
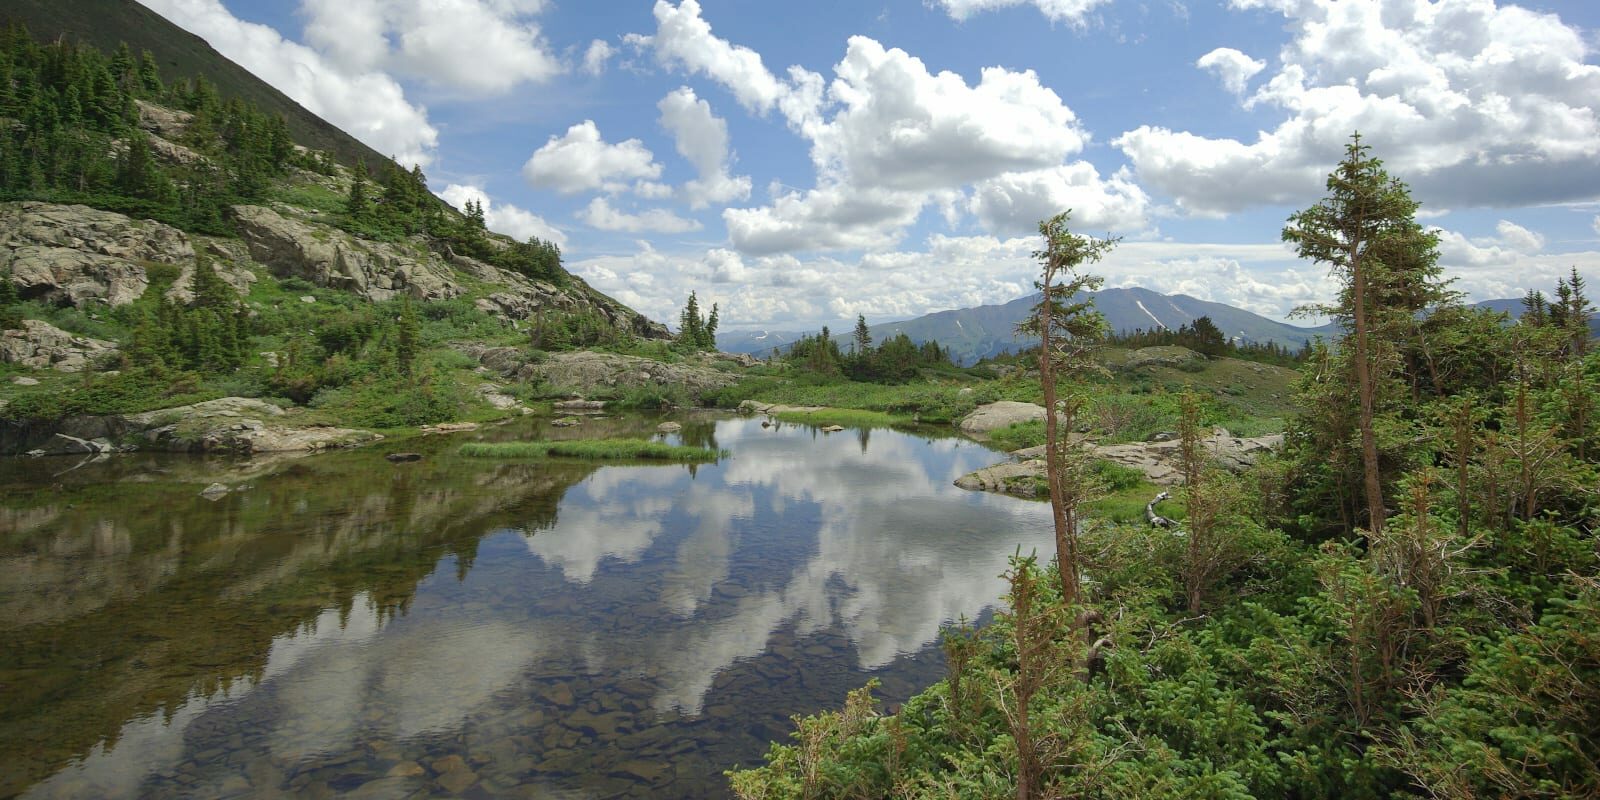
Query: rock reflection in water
516,630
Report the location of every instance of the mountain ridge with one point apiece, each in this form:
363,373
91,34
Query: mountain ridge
980,332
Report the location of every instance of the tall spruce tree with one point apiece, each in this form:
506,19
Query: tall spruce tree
1068,331
1366,232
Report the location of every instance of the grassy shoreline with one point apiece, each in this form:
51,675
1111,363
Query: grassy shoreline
603,449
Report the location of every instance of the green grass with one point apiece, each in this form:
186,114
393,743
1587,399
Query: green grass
310,196
848,417
1126,493
609,449
1018,436
932,401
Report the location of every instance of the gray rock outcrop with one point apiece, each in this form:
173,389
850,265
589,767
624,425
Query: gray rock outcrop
1022,478
330,257
590,373
770,409
167,123
40,345
326,256
1159,461
991,417
234,425
76,254
1162,356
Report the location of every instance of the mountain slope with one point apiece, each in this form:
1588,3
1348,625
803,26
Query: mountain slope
975,333
107,23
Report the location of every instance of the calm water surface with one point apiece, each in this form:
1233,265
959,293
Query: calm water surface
343,626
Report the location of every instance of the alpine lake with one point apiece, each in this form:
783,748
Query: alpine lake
339,625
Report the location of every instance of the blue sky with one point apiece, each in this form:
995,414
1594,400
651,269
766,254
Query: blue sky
802,163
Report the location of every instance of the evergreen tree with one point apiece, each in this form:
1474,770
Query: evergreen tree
406,337
1365,230
709,332
696,332
356,203
863,337
1068,332
150,76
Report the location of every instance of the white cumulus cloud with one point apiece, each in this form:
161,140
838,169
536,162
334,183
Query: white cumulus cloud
702,139
684,38
889,137
581,160
477,45
600,214
368,104
1233,68
1072,12
595,58
1016,201
1471,103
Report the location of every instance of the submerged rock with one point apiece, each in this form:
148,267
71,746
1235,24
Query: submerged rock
399,458
669,427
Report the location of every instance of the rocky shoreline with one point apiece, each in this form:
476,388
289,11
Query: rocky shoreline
231,425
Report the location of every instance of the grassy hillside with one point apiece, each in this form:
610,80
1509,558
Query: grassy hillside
108,23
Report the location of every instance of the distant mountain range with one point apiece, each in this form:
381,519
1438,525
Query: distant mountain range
976,333
973,334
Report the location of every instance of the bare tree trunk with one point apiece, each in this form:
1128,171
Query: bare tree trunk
1367,392
1062,516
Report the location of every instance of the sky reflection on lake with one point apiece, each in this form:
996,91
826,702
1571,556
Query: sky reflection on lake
627,630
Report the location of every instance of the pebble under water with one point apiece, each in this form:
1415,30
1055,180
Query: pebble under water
343,626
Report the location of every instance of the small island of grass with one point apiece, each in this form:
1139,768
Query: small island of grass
611,449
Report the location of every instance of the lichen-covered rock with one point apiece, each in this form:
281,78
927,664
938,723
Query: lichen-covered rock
172,152
1162,356
330,257
758,407
77,254
228,264
1022,479
165,122
235,425
40,345
590,373
993,416
1159,461
239,425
